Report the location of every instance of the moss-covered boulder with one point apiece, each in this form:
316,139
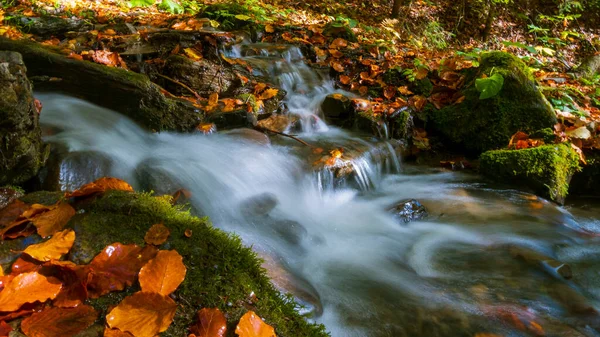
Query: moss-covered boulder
221,272
477,125
336,29
22,153
547,169
587,182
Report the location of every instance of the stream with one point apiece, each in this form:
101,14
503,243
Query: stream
487,259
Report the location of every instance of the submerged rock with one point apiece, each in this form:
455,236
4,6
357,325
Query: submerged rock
259,205
22,153
477,124
250,135
409,210
547,169
69,171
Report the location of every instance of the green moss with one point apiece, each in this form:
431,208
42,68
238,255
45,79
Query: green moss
250,98
547,135
478,125
402,125
221,272
547,169
421,87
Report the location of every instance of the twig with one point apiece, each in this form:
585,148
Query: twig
263,129
181,84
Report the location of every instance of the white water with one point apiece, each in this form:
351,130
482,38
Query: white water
373,275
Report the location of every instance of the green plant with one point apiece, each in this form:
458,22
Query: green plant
171,7
489,87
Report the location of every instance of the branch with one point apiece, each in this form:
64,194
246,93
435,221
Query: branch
181,84
263,129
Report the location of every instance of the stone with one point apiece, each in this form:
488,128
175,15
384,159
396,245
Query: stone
69,171
280,123
249,135
547,170
337,109
259,205
587,182
8,195
22,152
203,76
409,210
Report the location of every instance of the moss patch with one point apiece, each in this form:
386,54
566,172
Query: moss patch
479,125
221,271
547,169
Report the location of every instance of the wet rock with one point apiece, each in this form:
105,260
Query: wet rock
337,109
69,171
477,125
409,210
22,153
8,195
238,118
151,175
250,135
280,123
53,26
587,182
291,231
571,299
551,266
339,30
259,205
547,169
208,40
203,76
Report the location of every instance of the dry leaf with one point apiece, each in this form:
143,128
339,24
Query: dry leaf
11,212
116,267
74,278
25,264
269,29
338,43
116,333
164,273
192,54
213,99
337,67
59,322
157,235
188,233
251,325
28,288
345,79
210,323
54,220
54,248
143,314
5,329
267,94
389,92
100,186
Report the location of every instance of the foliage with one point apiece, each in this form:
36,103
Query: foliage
489,86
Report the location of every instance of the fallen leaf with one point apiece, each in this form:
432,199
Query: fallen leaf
259,87
251,325
5,329
54,220
25,264
143,314
59,322
269,29
269,93
116,267
345,79
363,90
116,333
54,248
157,235
210,323
338,67
164,273
192,54
188,233
213,99
421,73
338,43
28,288
11,212
74,278
100,186
389,92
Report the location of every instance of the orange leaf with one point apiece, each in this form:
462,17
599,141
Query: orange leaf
54,248
188,233
100,186
269,29
28,288
363,90
192,54
251,325
389,92
54,220
337,67
116,333
211,323
213,99
116,267
164,273
143,314
259,87
5,329
157,235
421,73
345,79
25,264
404,91
11,212
59,322
338,43
74,279
267,94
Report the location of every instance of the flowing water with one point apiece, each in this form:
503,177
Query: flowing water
483,261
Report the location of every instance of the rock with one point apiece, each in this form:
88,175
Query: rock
337,109
53,26
203,76
151,175
339,30
8,195
21,148
409,210
238,118
549,265
356,114
280,123
587,182
130,93
259,205
402,124
69,171
291,231
547,169
250,135
478,125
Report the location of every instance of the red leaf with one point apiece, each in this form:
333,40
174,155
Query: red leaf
211,323
5,329
59,322
143,314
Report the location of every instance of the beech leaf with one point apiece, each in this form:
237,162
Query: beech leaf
59,322
54,248
144,314
53,220
100,186
164,273
251,325
210,323
157,235
28,288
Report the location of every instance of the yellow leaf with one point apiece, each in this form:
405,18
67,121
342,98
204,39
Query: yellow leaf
267,94
213,99
191,53
53,249
164,273
269,29
251,325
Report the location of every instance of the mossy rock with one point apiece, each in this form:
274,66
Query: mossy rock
221,272
338,30
547,169
477,125
587,182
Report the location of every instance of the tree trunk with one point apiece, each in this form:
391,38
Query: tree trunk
489,21
589,67
397,5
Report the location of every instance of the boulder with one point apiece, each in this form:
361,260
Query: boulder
203,76
337,109
477,125
587,182
250,135
22,152
8,195
547,170
409,210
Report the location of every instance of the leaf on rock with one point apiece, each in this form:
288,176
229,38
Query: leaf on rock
192,54
59,322
117,267
54,248
25,264
337,67
389,92
251,325
74,278
54,220
489,86
344,79
144,314
210,323
11,212
157,235
100,186
108,332
5,329
267,94
164,273
28,288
